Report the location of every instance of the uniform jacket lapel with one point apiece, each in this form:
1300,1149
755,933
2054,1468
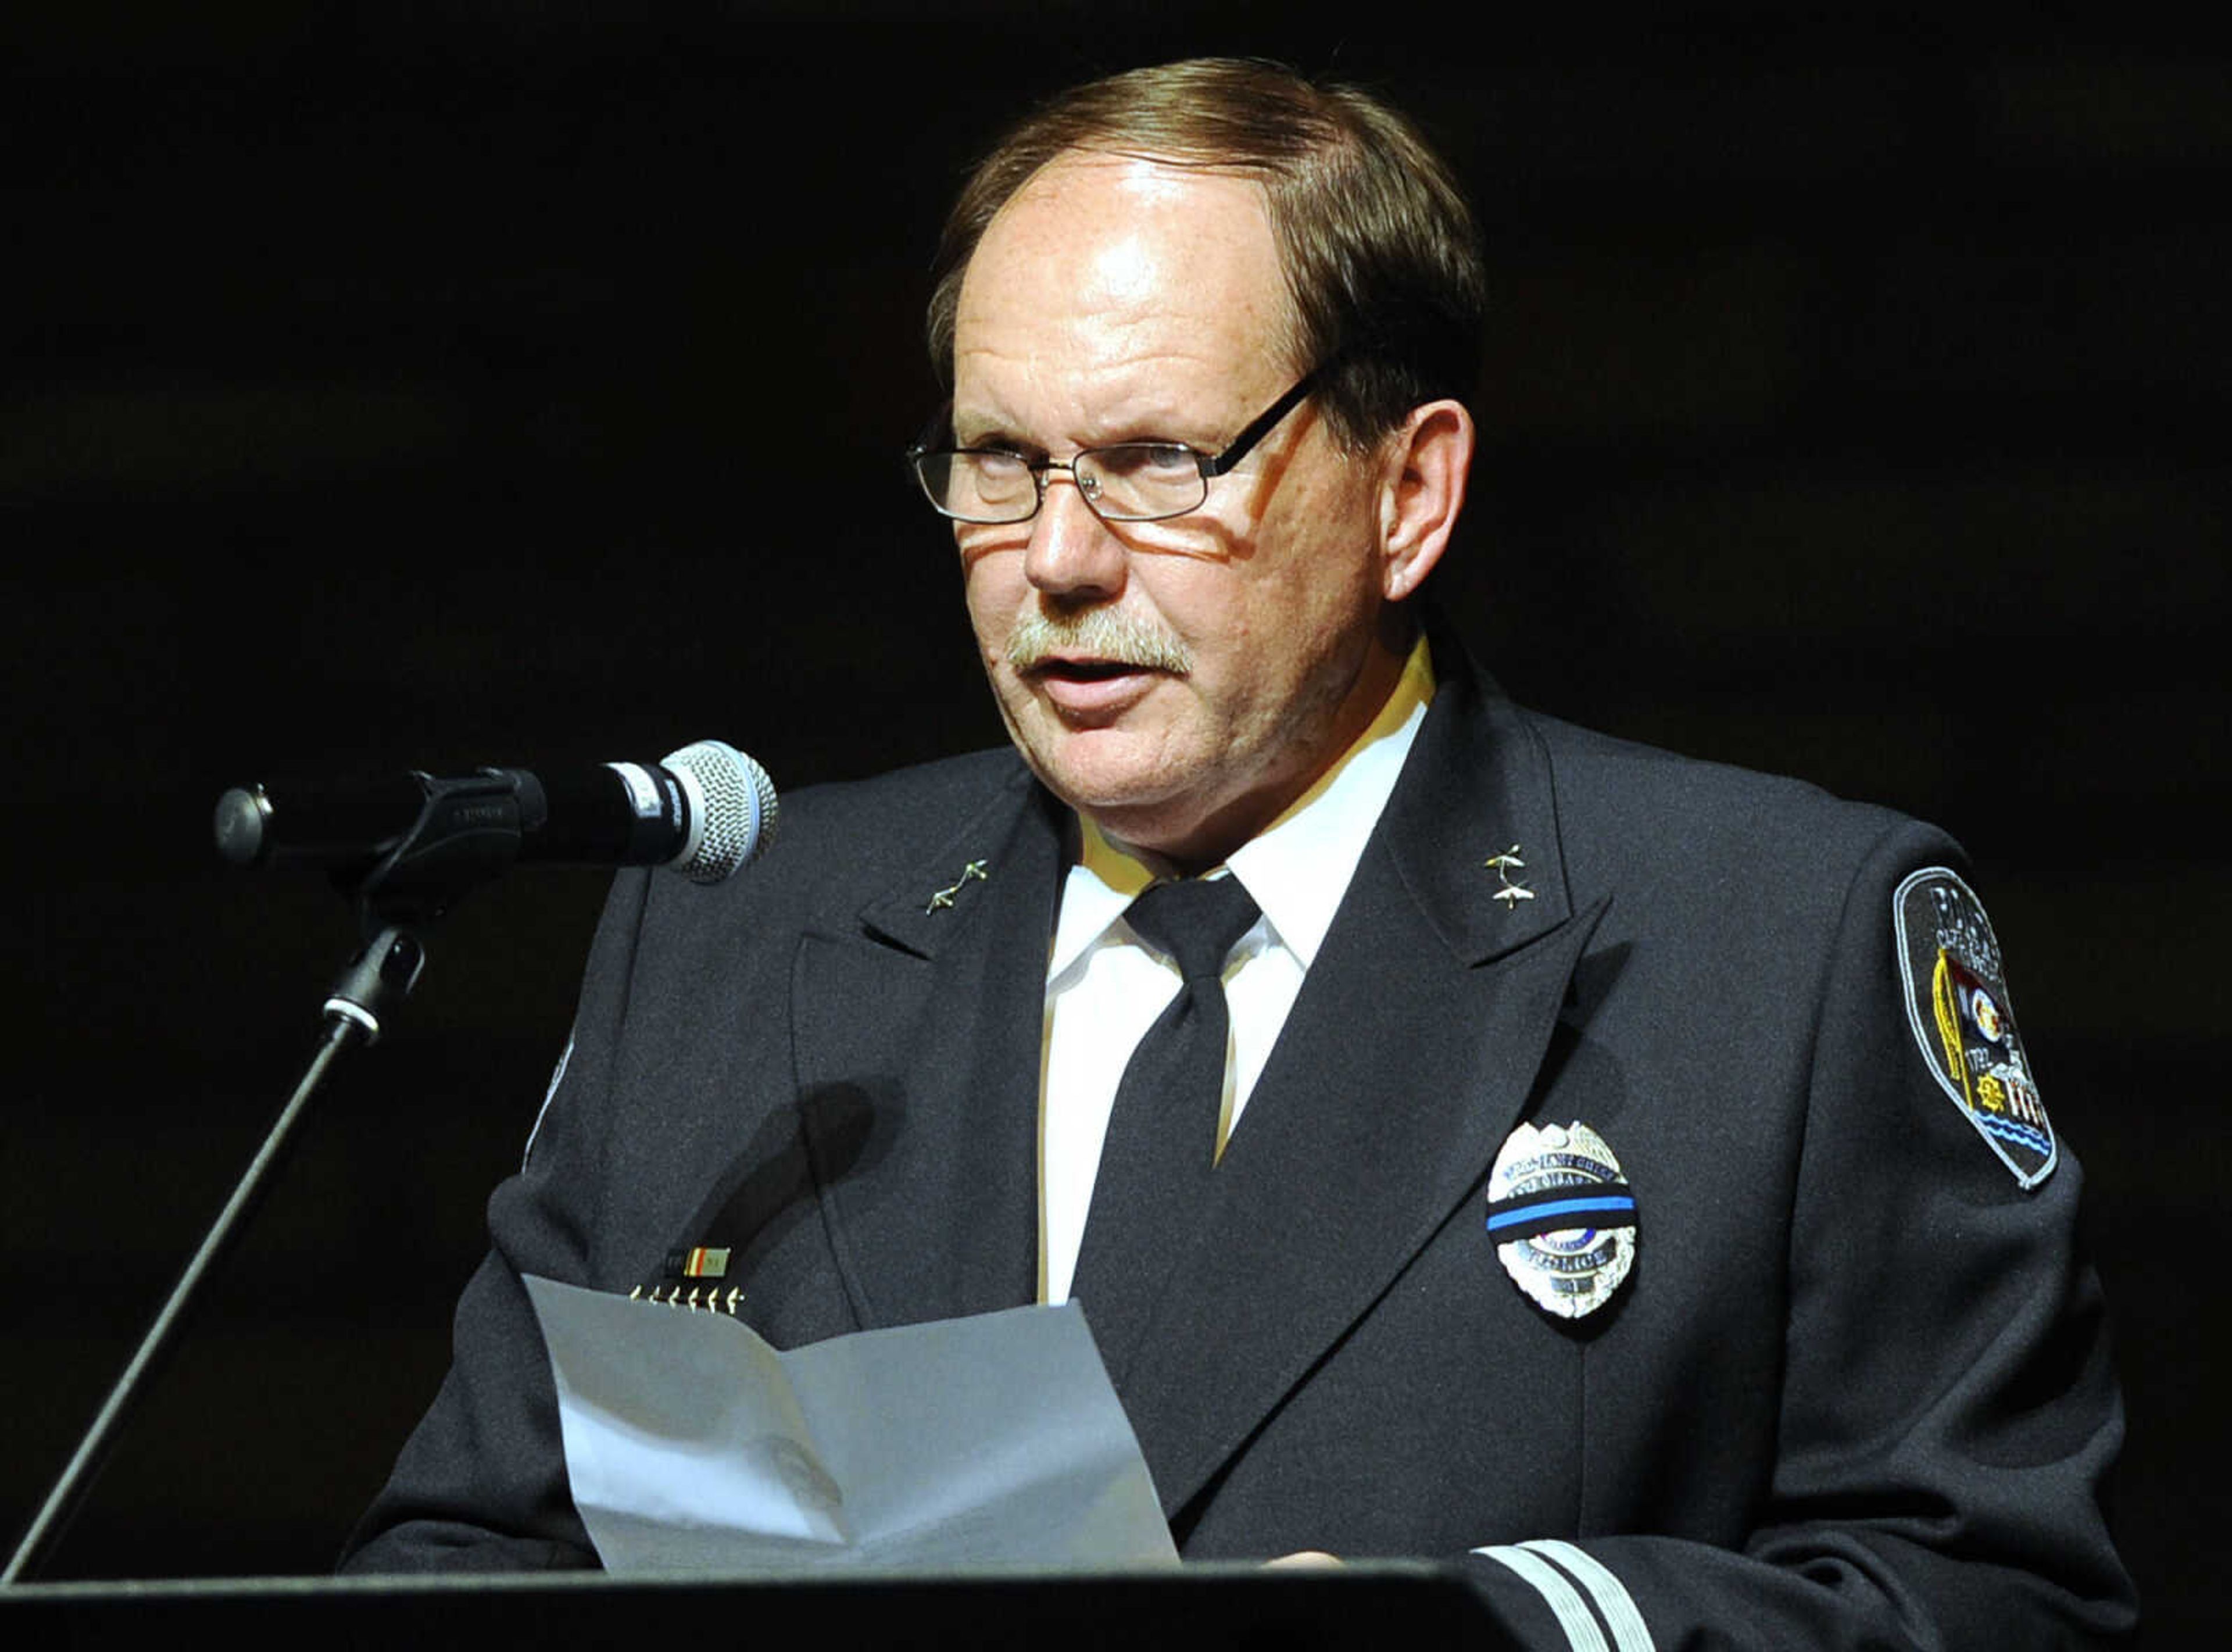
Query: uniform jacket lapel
1406,1060
917,1033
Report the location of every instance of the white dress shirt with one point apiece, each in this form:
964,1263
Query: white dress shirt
1105,987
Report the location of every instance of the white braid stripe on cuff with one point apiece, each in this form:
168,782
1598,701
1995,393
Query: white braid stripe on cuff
1615,1606
1581,1632
1629,1632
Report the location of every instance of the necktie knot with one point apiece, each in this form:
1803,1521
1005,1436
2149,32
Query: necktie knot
1194,921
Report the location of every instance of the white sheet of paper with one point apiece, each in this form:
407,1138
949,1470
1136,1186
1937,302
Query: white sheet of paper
693,1445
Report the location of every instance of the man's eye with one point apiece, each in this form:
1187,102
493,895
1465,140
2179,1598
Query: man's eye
1147,460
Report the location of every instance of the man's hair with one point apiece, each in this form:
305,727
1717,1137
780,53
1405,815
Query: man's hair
1381,255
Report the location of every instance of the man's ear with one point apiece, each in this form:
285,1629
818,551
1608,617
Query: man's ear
1422,490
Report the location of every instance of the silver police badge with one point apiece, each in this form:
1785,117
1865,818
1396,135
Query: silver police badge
1957,1002
1561,1217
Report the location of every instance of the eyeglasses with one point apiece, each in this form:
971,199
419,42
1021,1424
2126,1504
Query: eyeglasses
1125,482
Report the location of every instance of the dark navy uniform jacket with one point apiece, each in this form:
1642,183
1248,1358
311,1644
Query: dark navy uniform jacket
1854,1391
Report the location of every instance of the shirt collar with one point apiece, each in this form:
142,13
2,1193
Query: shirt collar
1298,867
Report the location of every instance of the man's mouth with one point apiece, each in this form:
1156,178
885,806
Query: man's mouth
1091,691
1083,671
1094,646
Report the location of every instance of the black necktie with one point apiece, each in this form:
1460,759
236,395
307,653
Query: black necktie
1161,1146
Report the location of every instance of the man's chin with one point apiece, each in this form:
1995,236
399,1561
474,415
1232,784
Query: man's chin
1139,809
1105,772
1103,791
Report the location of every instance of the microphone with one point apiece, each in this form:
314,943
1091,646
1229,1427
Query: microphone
703,811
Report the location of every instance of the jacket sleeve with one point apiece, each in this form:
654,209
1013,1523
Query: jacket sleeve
1947,1413
481,1484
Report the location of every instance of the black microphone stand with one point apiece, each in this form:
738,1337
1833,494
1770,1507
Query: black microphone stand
468,831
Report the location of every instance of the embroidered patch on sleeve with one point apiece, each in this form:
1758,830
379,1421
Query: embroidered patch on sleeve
1957,1002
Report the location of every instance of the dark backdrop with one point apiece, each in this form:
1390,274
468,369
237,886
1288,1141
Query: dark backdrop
395,384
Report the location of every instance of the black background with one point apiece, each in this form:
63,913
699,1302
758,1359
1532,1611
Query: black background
425,385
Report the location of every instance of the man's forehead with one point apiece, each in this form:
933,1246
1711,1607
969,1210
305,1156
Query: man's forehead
1148,179
1136,254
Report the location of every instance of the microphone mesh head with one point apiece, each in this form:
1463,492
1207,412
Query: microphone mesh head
736,812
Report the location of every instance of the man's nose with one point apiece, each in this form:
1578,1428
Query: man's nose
1071,553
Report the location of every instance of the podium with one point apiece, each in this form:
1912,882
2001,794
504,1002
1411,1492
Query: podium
1395,1604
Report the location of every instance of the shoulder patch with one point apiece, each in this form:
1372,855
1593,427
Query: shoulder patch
1957,1002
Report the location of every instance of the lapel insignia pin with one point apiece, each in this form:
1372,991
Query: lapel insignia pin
1561,1217
1509,893
942,901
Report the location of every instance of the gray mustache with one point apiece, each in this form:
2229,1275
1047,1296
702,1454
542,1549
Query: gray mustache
1103,633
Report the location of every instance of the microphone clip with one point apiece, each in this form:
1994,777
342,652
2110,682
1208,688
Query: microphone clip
468,831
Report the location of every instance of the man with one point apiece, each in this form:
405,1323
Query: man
1623,1172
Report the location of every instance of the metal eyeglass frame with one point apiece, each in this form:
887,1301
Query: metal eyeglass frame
1210,465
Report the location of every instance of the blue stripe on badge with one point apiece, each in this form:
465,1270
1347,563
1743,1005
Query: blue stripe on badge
1541,1216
